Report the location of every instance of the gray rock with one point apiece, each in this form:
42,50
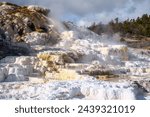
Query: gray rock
15,78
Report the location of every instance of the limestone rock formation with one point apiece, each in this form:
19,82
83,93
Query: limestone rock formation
22,24
40,62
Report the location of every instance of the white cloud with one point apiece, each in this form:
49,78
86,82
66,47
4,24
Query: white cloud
86,11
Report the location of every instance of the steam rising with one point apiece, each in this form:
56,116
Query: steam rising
99,55
91,10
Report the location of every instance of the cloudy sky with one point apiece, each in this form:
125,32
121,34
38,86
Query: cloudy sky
83,12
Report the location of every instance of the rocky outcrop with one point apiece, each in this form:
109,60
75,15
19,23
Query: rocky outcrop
53,64
81,59
16,68
23,24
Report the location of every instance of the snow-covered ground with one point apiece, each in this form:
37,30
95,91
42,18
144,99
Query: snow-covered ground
30,77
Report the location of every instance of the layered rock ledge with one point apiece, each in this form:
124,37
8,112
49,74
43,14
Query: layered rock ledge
40,62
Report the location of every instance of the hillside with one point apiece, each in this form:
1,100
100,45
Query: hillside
19,26
135,32
41,62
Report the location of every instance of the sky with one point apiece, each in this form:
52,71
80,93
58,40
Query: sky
85,12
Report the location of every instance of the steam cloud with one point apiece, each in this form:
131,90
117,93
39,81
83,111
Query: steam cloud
84,12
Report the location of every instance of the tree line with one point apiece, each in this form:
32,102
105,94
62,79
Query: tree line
130,27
